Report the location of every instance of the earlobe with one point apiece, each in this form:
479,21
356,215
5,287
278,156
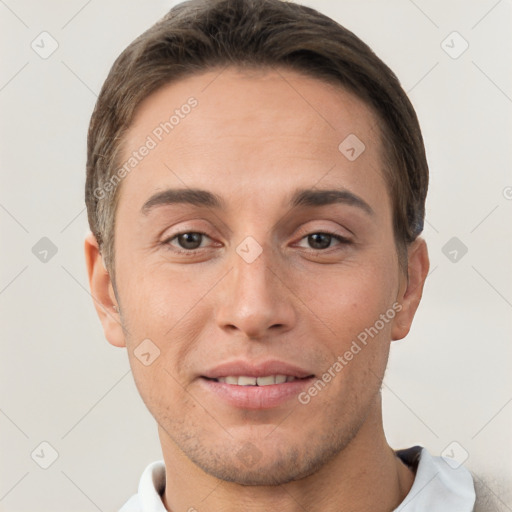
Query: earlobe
103,293
410,294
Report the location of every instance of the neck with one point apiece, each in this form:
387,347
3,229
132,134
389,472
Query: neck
365,475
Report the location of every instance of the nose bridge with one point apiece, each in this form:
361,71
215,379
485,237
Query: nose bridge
252,270
253,296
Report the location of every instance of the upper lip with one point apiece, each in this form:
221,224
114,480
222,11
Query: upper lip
262,369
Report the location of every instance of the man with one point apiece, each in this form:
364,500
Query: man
256,181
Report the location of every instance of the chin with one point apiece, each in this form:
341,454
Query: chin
270,470
253,464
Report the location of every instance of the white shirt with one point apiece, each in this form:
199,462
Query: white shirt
437,486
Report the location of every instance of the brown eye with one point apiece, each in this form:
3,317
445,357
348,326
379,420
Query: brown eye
319,240
188,241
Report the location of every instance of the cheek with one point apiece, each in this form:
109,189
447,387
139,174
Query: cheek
166,308
156,299
350,299
161,390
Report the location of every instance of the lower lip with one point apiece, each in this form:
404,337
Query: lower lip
256,397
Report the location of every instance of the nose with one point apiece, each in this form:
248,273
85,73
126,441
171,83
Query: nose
256,298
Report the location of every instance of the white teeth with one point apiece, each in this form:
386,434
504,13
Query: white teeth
246,381
266,380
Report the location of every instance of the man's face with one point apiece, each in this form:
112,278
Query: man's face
259,286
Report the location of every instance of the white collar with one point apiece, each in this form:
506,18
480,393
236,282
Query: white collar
151,488
437,486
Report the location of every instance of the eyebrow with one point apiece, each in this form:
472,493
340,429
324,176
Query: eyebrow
300,198
312,197
193,196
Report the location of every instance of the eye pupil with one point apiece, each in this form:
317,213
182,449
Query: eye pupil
190,240
319,240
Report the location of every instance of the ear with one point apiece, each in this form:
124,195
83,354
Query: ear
102,292
411,288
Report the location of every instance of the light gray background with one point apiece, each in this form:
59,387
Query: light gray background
62,383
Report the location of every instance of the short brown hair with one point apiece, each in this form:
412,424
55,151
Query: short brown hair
201,35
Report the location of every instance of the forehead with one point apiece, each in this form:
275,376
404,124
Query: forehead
263,129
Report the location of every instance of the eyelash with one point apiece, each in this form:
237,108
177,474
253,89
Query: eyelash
191,252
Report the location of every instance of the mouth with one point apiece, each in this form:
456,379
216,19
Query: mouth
248,386
266,380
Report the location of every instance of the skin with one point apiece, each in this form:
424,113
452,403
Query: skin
254,138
